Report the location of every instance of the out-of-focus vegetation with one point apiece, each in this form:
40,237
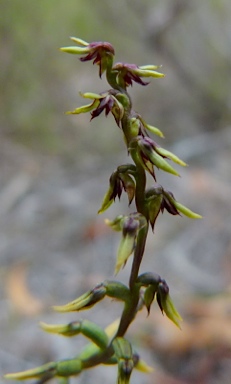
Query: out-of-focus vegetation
191,39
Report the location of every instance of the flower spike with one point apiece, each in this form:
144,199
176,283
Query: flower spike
109,346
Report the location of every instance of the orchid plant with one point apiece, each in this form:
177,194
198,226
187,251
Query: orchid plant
110,345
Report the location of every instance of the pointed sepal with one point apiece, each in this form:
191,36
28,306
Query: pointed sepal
85,301
127,243
166,304
87,328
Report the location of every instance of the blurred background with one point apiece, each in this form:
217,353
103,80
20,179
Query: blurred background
54,171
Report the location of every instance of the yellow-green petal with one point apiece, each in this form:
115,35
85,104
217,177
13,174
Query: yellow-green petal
186,211
107,201
125,250
115,224
75,50
79,41
171,311
32,373
170,155
91,95
84,108
143,367
150,67
159,162
149,73
154,130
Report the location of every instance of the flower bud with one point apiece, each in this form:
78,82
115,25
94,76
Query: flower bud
135,126
127,168
69,367
148,278
124,355
117,290
85,301
85,327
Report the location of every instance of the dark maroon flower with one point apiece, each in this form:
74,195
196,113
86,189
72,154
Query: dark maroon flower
157,200
100,52
127,73
106,103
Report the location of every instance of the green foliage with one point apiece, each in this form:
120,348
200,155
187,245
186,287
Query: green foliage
110,346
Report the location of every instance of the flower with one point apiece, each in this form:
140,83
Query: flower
130,226
156,201
106,101
171,203
166,305
127,73
124,355
100,52
149,127
118,182
150,154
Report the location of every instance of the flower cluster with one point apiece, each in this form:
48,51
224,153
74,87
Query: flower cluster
102,54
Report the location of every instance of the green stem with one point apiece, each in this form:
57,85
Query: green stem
129,311
138,255
111,75
98,358
140,189
130,308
